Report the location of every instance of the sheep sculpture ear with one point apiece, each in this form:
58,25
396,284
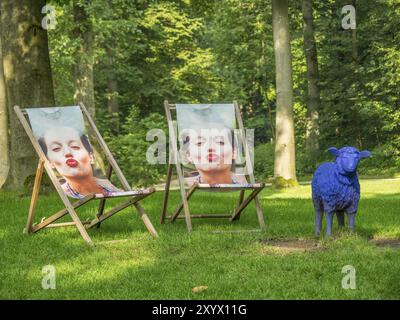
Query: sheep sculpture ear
333,151
365,154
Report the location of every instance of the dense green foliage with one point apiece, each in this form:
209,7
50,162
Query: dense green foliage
130,147
218,51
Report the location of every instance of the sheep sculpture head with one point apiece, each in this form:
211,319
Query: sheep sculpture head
335,188
348,158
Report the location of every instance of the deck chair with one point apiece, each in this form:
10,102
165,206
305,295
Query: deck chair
35,121
186,190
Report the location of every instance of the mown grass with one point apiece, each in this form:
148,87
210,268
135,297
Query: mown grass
231,265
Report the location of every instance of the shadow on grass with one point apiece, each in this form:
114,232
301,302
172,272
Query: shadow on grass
285,216
178,261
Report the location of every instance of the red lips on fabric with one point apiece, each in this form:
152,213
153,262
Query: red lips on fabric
72,163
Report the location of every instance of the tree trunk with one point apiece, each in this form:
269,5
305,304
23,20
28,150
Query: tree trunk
83,68
112,93
4,148
354,46
285,162
27,77
313,99
112,102
354,37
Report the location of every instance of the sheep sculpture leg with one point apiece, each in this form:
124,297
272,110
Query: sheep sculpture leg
319,214
329,220
352,217
318,221
340,218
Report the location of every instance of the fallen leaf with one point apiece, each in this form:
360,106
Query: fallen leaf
199,289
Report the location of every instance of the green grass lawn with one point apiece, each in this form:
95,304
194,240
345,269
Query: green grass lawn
232,265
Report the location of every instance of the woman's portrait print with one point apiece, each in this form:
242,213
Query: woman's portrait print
207,144
61,135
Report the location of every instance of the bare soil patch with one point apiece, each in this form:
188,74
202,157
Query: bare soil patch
291,245
387,243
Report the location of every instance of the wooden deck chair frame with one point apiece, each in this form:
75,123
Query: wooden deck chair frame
186,195
71,207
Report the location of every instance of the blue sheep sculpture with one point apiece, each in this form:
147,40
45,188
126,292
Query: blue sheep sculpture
335,188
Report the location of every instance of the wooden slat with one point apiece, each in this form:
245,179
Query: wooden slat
146,221
244,204
188,196
166,193
249,166
230,188
35,195
207,216
102,202
113,211
124,194
65,224
237,231
173,140
49,220
241,198
61,213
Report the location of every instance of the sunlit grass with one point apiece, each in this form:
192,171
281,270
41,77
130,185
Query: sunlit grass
232,265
